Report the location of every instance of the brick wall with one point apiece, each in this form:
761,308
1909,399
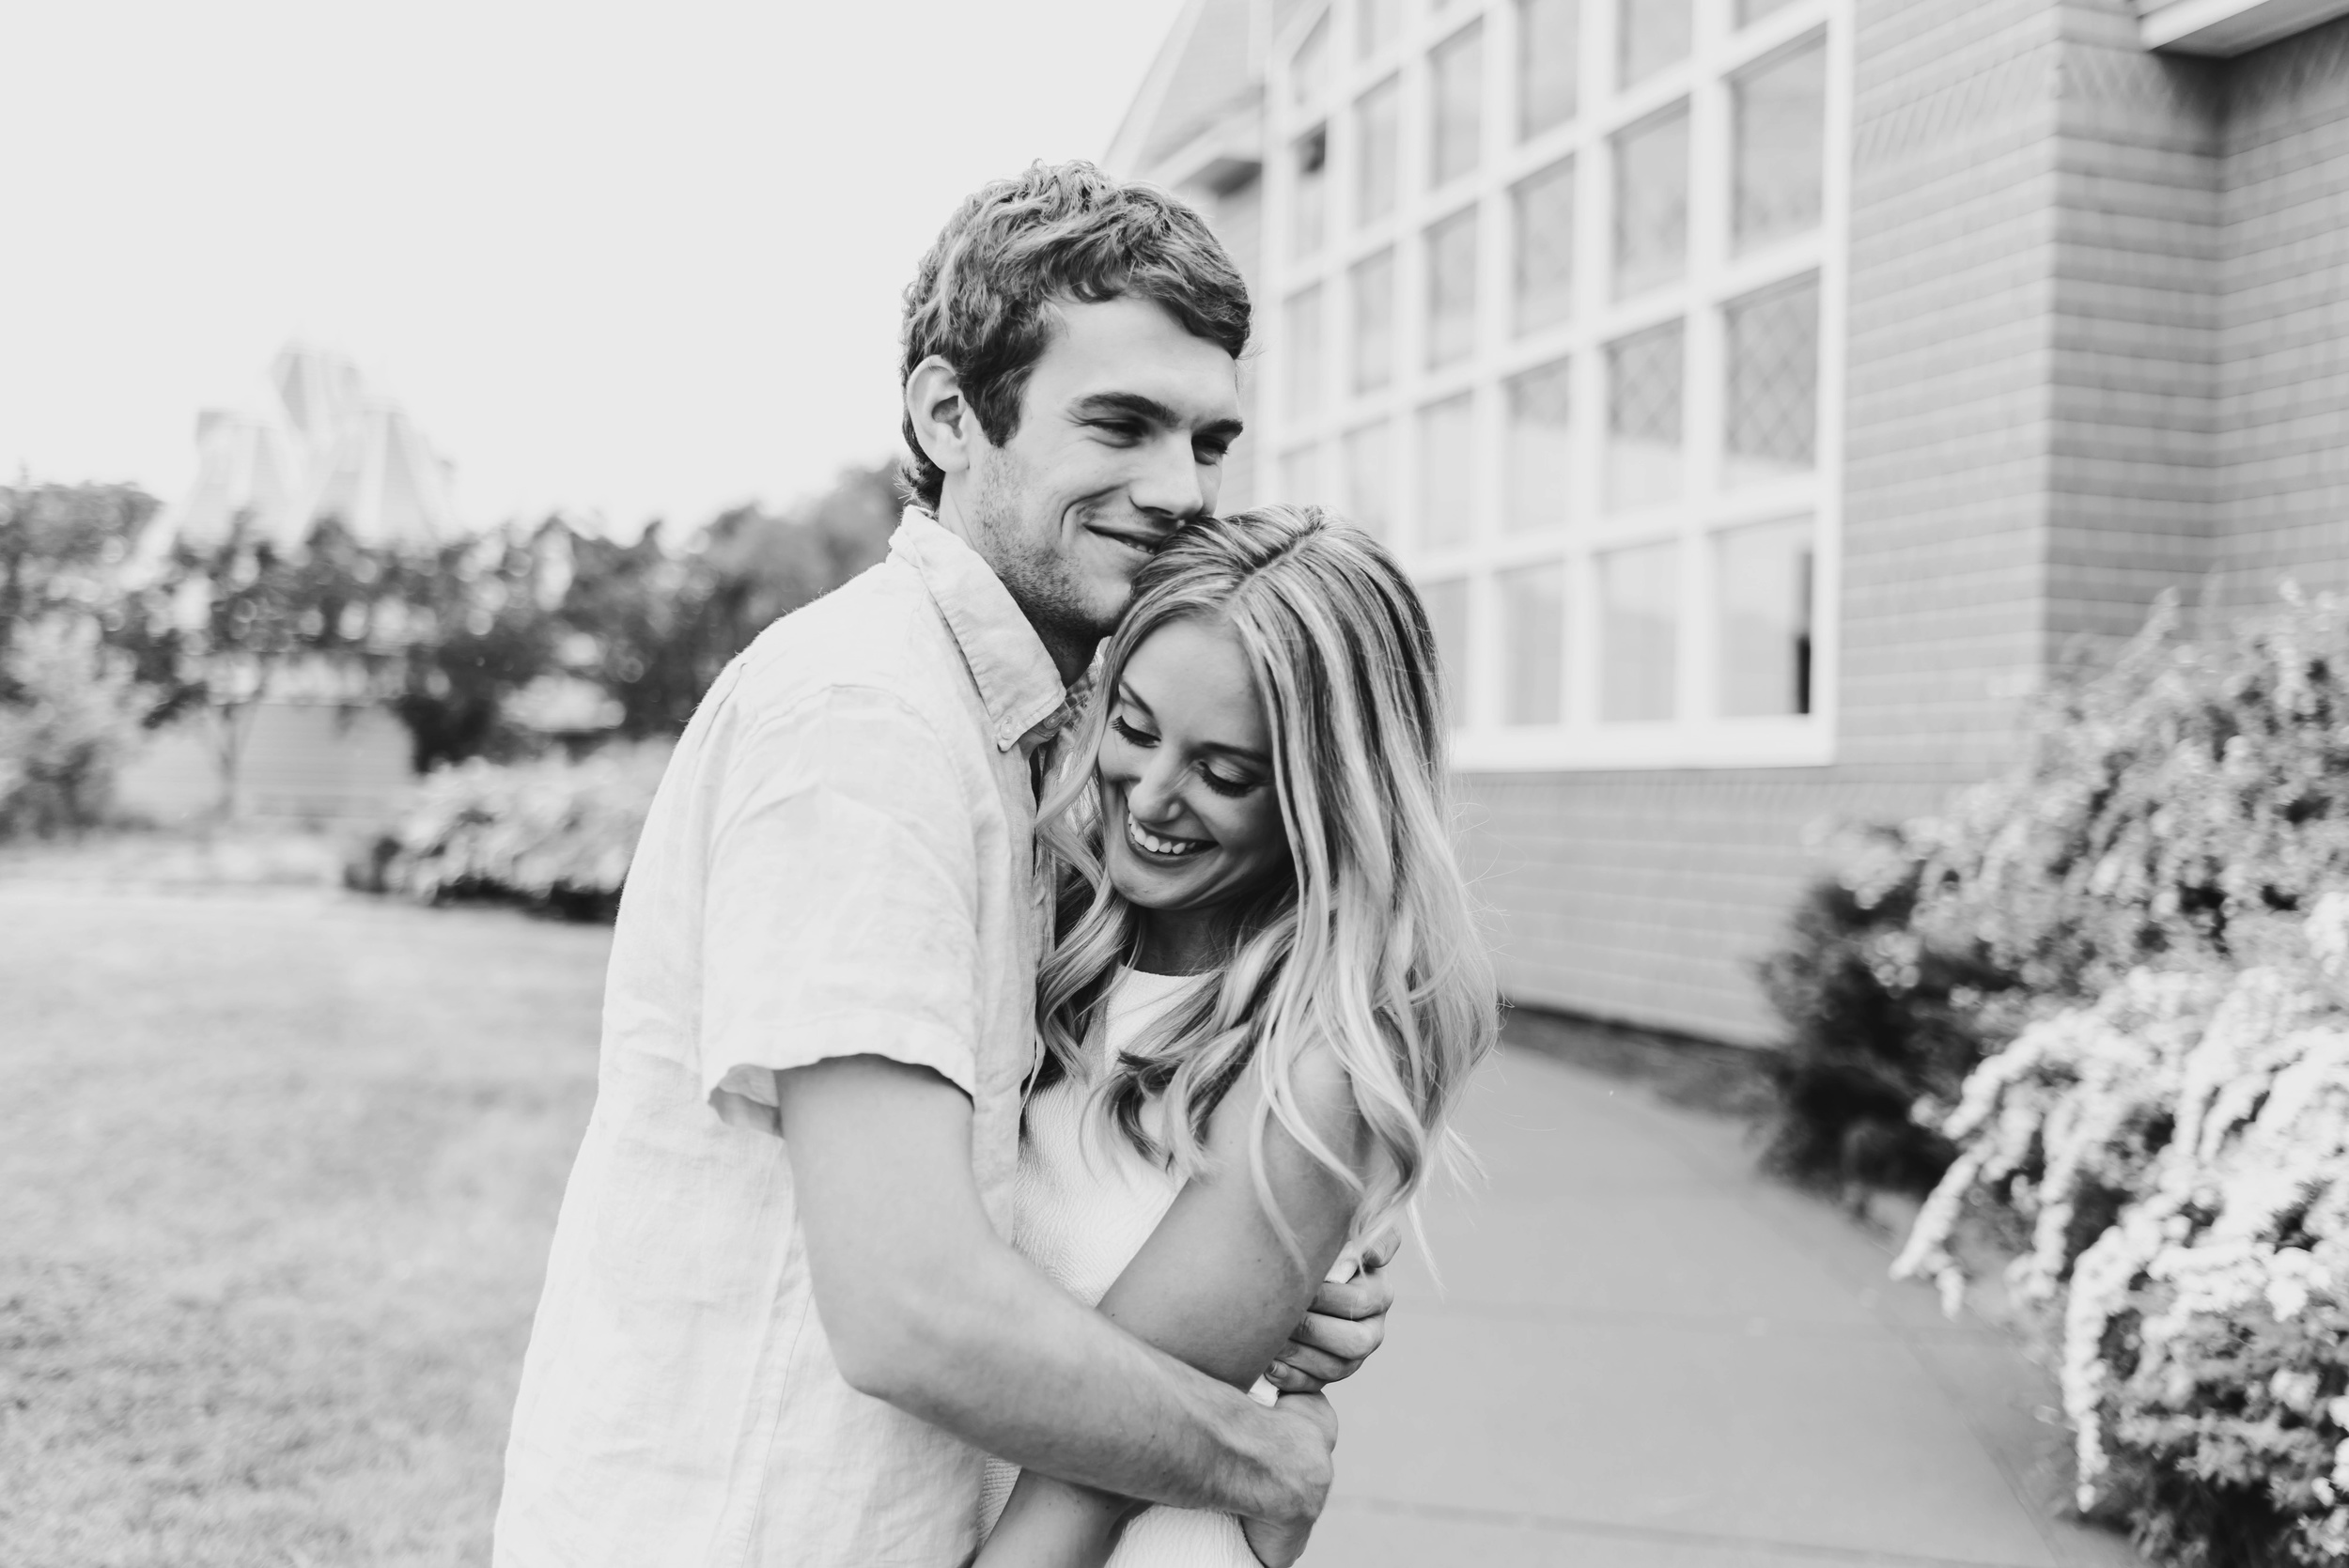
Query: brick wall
2131,484
2283,303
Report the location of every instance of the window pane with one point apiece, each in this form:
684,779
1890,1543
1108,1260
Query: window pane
1652,202
1447,616
1309,211
1541,453
1550,63
1455,121
1370,478
1447,472
1376,134
1374,321
1304,353
1639,633
1755,10
1452,288
1643,402
1376,22
1300,475
1762,590
1781,146
1533,645
1544,210
1654,35
1772,410
1309,68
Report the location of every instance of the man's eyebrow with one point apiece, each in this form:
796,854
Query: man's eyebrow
1134,405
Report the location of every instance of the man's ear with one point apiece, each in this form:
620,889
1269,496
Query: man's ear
943,420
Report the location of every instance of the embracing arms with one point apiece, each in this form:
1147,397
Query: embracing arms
1216,1286
927,1309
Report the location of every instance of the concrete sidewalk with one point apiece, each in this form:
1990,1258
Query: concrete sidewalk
1646,1356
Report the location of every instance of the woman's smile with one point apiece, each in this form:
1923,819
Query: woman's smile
1161,846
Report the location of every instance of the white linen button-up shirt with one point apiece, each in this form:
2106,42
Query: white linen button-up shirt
839,861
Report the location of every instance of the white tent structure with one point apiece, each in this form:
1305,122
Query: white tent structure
330,448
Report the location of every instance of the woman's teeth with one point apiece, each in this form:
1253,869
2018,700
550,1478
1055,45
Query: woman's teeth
1142,838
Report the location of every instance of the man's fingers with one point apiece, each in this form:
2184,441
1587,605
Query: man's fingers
1367,1294
1344,1338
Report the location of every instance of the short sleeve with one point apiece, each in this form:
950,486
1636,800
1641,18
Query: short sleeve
842,903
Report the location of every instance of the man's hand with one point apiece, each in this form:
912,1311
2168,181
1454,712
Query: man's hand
1347,1323
1280,1542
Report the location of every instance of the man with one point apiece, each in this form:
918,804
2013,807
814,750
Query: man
780,1321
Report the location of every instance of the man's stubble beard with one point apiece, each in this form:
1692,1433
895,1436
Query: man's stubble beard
1032,569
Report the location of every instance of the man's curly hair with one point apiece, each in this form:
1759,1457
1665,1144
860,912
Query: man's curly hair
1059,231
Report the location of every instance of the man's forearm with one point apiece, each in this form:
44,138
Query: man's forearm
926,1308
1015,1367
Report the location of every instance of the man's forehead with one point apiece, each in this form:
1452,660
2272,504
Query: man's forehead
1137,347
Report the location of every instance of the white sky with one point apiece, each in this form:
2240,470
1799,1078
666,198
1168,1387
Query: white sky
635,258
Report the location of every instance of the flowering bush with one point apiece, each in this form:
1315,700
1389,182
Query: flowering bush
69,711
554,832
2196,785
2180,1149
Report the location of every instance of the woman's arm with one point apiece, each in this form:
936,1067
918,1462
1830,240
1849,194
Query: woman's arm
1216,1287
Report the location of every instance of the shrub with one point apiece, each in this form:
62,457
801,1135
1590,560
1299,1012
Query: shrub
2195,784
555,833
2180,1150
71,713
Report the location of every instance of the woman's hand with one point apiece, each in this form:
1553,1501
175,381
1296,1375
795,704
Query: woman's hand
1346,1325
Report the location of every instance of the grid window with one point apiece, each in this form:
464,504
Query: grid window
1781,147
1772,405
1455,120
1763,588
1654,34
1447,472
1373,293
1452,288
1639,655
1309,201
1446,603
1542,206
1309,71
1377,147
1645,378
1370,478
1541,448
1533,644
1302,326
1550,63
1652,202
1576,379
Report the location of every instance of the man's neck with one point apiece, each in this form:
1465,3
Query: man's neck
1070,659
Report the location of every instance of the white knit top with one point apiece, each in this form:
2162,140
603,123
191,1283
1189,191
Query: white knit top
1084,1203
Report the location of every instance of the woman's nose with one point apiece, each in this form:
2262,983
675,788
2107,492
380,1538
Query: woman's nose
1151,795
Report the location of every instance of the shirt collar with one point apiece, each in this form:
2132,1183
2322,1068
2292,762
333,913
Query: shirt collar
1017,683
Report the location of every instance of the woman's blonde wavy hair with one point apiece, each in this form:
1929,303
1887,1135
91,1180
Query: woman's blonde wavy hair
1369,947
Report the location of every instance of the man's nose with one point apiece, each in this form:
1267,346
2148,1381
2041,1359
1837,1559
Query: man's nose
1169,484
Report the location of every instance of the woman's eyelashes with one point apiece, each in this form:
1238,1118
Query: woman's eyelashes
1133,734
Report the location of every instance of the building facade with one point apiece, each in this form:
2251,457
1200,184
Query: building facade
1766,394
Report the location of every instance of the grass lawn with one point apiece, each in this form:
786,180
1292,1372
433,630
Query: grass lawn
277,1174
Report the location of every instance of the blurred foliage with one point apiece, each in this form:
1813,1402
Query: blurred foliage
556,833
492,647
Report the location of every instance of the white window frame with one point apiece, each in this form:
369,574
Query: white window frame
1697,737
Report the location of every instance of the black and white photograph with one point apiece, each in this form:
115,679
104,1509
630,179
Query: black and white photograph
1186,784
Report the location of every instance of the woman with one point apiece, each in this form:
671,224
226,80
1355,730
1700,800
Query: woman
1267,994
